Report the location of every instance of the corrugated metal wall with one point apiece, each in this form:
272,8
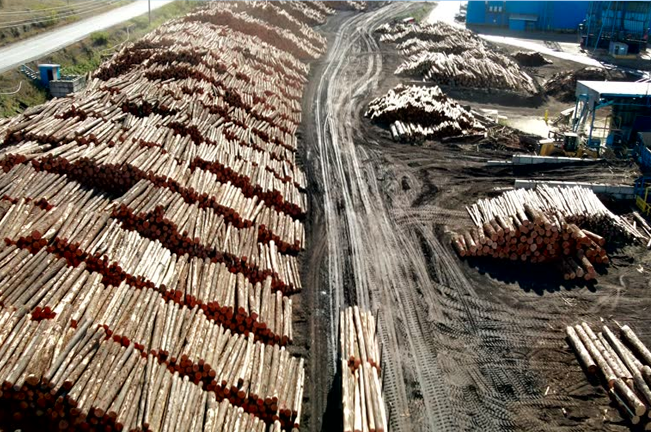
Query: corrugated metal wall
552,15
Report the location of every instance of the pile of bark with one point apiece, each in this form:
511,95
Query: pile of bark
562,85
530,58
456,57
623,363
566,226
362,401
416,113
150,228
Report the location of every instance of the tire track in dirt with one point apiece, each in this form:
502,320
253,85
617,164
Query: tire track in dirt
459,354
368,261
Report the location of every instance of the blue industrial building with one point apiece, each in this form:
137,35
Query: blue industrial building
610,24
563,16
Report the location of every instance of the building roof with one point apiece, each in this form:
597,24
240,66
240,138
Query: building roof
523,17
597,90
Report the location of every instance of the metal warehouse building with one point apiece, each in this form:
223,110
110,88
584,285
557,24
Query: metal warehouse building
528,15
623,22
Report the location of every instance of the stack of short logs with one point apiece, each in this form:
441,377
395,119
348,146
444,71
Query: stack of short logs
448,55
548,224
362,401
623,364
150,228
416,113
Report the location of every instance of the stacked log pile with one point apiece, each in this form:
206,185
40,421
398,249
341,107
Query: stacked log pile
150,230
623,363
416,113
456,57
568,226
431,37
347,5
100,382
312,12
362,401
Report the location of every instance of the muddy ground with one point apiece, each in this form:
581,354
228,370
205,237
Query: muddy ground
468,344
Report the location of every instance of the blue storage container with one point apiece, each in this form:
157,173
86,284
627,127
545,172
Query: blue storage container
49,72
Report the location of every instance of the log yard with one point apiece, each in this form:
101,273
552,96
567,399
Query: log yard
323,216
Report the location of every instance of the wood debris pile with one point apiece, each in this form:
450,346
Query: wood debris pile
456,57
530,58
624,364
568,226
151,227
363,404
419,112
562,85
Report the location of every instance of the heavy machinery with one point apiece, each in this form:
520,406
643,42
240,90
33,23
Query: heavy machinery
566,144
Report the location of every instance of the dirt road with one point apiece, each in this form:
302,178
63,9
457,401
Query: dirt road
463,349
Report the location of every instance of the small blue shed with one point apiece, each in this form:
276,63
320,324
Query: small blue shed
49,72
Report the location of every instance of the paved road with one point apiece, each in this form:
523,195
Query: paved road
36,47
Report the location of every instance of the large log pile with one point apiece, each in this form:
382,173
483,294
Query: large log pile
623,363
456,57
362,401
568,226
418,113
150,227
347,5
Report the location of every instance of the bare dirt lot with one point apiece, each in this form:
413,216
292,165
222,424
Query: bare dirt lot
468,345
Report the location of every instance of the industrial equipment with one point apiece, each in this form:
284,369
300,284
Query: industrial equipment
626,108
566,144
623,22
643,151
642,195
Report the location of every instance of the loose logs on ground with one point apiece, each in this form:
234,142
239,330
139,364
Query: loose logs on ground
362,401
448,55
568,226
149,232
415,113
623,363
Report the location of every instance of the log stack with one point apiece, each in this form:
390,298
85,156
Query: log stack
151,227
362,401
455,57
567,226
416,113
622,362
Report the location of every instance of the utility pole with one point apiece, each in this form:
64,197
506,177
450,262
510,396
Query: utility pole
149,5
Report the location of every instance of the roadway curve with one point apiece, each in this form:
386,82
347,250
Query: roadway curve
450,358
36,47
